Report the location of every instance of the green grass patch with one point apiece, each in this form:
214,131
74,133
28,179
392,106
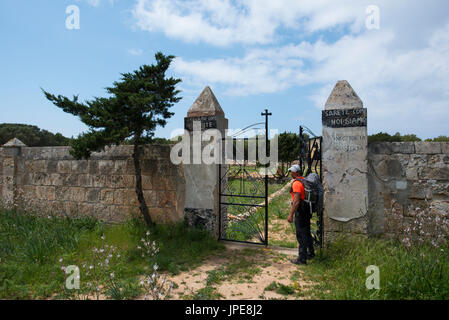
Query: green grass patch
31,246
420,272
280,288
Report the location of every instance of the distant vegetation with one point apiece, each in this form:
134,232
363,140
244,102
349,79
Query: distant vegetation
439,139
32,136
397,137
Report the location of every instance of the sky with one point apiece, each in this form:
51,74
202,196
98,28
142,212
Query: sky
283,55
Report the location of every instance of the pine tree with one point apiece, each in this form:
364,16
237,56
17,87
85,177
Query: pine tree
137,104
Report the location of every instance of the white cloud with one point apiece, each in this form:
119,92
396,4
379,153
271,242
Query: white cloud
400,71
227,22
411,85
135,52
97,3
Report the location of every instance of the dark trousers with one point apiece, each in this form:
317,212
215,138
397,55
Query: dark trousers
303,235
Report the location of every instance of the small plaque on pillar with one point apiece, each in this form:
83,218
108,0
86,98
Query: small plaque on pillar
207,122
344,118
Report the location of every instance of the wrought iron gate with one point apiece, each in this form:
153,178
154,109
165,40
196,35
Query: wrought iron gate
243,195
310,160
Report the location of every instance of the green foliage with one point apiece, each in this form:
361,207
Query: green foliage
136,105
280,288
419,272
31,247
32,136
439,139
288,147
397,137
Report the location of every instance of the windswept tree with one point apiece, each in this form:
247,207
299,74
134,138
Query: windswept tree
136,105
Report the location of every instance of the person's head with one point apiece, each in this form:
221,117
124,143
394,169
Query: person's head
295,171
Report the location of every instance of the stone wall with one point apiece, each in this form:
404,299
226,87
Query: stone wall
407,179
50,180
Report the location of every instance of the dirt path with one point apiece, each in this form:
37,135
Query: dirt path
243,274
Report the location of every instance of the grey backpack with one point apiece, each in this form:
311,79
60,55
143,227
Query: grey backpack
313,192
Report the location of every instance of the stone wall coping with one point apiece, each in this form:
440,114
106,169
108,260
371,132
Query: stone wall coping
418,147
120,152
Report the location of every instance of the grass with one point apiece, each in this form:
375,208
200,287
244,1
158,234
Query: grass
31,246
249,228
420,272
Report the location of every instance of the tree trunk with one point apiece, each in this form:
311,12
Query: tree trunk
138,172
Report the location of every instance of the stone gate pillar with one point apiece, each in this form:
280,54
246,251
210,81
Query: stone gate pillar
345,163
204,118
10,171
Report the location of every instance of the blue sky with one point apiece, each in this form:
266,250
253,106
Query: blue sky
283,55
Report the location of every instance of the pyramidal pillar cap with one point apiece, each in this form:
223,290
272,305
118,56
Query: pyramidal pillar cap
14,142
205,105
343,96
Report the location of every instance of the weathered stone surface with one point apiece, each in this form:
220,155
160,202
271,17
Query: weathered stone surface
425,188
343,97
64,166
445,148
424,147
345,165
166,199
14,142
80,166
202,218
77,194
435,173
119,196
106,167
146,182
52,166
390,168
205,105
107,196
440,208
402,147
93,195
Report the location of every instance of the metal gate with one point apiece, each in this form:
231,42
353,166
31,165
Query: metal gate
310,160
243,195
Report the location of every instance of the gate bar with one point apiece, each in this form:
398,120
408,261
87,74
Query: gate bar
266,114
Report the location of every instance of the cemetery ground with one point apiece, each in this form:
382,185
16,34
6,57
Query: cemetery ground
34,249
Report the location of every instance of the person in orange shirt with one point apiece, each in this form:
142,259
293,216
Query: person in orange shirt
301,216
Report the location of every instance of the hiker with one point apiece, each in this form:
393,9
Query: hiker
301,212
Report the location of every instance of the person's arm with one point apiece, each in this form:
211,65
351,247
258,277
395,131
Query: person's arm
295,206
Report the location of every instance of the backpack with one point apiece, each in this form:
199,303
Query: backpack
313,192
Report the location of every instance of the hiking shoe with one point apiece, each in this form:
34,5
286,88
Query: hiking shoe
297,261
310,255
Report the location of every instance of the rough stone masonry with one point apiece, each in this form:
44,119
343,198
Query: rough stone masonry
379,188
345,165
49,180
